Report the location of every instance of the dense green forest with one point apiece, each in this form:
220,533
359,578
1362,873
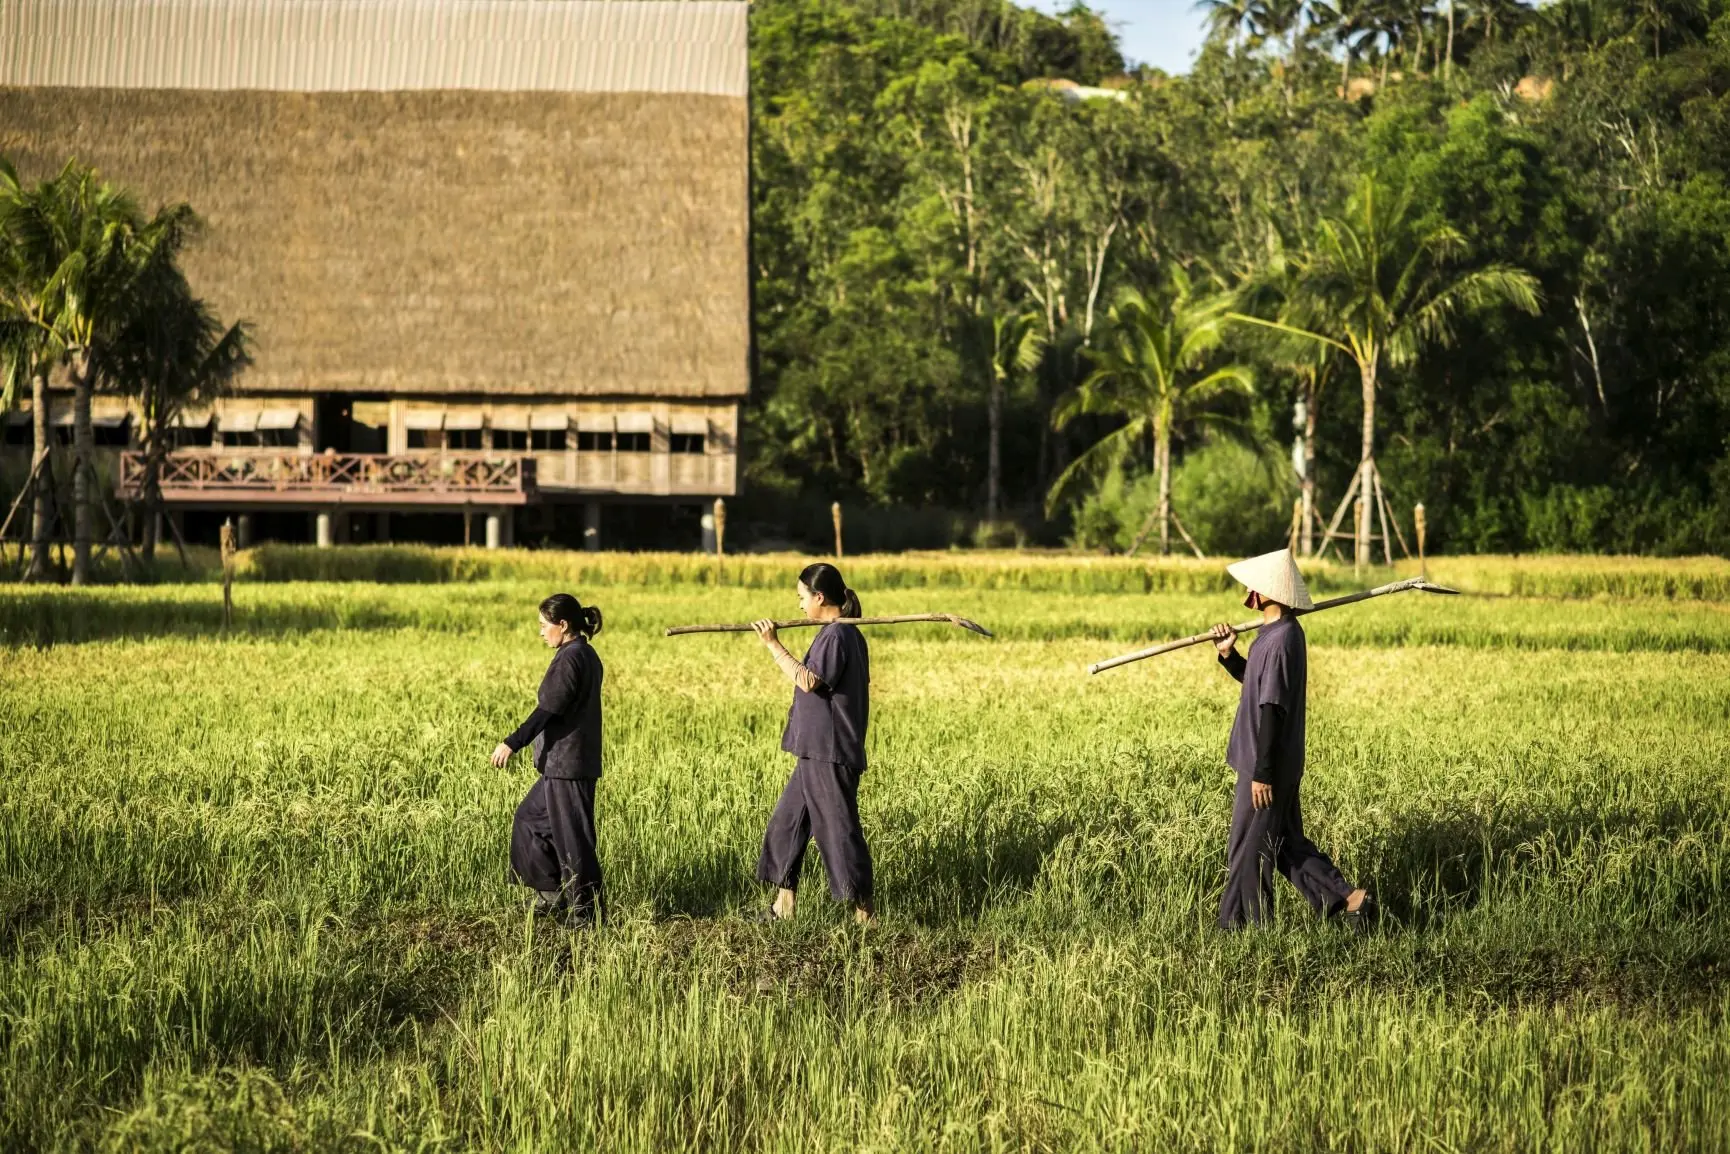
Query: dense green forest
1507,225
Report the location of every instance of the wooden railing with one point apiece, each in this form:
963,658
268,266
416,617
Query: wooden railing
251,475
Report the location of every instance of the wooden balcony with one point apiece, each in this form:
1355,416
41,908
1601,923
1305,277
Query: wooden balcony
251,476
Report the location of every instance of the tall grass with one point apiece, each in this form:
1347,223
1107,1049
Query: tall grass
252,889
1700,578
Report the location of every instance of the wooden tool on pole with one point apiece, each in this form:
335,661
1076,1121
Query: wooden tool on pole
227,539
1414,584
835,516
805,622
720,527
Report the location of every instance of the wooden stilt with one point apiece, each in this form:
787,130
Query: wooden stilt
1381,495
1177,523
1381,512
1339,513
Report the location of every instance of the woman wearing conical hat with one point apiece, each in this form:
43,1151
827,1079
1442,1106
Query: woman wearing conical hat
1267,751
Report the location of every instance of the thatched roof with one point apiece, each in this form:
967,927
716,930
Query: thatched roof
440,240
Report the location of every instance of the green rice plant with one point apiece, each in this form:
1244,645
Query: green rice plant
253,887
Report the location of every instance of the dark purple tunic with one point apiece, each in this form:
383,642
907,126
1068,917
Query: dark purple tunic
829,724
1276,673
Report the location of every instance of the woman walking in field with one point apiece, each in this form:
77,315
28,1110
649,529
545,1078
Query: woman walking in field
553,838
826,732
1267,751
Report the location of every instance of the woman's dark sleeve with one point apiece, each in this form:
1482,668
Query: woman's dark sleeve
530,729
1267,736
1234,664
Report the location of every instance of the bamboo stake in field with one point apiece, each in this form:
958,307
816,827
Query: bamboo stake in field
1414,584
226,539
803,622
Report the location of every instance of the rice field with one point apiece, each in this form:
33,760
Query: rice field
253,889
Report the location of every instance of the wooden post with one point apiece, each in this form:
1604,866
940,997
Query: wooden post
1418,519
227,539
720,527
1297,516
835,515
468,523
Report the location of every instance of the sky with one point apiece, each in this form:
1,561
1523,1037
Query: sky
1163,33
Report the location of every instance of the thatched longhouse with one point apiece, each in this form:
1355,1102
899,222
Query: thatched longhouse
473,236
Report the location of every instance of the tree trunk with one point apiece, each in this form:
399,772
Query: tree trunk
1448,68
1162,462
994,451
38,570
83,468
1367,465
1309,480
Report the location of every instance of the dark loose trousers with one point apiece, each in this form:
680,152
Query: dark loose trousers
1264,840
822,801
553,842
1267,745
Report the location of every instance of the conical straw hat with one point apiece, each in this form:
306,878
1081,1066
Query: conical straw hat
1275,576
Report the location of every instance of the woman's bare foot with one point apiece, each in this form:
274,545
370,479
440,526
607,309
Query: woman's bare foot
863,914
783,905
1356,899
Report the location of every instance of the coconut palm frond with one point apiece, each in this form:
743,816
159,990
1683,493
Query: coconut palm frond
1096,461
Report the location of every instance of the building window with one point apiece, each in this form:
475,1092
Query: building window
594,442
19,434
194,437
231,440
424,438
63,434
462,438
514,439
686,443
547,440
633,442
113,436
279,438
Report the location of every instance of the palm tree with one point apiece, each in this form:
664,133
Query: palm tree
1149,369
1227,19
1349,22
171,355
1017,346
1379,287
87,248
31,344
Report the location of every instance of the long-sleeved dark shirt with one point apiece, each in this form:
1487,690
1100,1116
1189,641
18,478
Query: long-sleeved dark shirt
566,724
1267,736
827,723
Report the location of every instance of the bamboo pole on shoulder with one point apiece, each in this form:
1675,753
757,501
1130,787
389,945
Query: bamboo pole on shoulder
807,622
1414,584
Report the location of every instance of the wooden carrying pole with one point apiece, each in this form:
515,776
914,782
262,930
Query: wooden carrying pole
949,618
1417,584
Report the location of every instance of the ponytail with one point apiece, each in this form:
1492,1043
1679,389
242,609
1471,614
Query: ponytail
824,578
563,609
